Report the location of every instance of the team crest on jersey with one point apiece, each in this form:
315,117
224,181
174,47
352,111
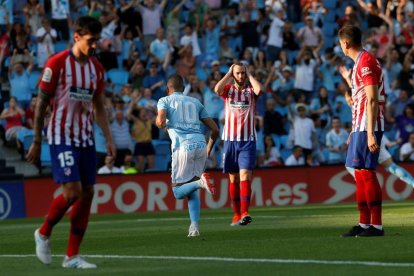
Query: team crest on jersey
67,171
47,75
365,71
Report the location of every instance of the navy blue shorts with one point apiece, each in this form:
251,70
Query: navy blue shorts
72,164
239,156
359,156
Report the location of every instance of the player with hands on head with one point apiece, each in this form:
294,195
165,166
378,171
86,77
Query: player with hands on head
239,90
73,83
183,117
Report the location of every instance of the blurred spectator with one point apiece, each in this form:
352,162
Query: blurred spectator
61,18
230,28
405,123
196,88
121,136
147,102
372,13
393,64
350,17
273,120
275,40
46,38
249,15
305,72
211,39
159,46
296,158
289,39
109,167
34,12
328,70
304,130
321,106
396,107
14,116
310,35
19,77
132,48
151,19
128,166
336,142
272,154
20,38
318,12
29,112
213,103
172,21
141,132
190,37
225,53
407,149
187,60
155,81
137,74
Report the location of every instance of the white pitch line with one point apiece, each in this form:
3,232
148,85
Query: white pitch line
233,260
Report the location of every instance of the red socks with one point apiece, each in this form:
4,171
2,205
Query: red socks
234,190
79,218
364,212
373,195
57,210
245,193
369,197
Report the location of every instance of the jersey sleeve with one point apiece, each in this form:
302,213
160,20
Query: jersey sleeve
367,71
162,104
50,76
100,84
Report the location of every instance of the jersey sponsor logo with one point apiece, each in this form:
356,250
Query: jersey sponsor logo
47,75
365,71
239,105
80,94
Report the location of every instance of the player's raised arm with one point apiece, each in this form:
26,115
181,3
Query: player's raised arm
257,87
227,79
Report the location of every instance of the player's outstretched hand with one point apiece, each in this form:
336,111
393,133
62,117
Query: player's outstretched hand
34,153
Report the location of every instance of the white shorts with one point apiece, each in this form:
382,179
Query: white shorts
383,154
188,161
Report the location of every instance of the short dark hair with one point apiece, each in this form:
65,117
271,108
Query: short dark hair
87,25
352,34
176,82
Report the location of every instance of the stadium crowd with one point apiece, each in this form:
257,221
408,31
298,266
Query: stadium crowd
291,47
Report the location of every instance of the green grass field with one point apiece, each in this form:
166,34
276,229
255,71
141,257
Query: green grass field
289,240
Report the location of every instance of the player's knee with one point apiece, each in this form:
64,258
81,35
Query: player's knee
72,191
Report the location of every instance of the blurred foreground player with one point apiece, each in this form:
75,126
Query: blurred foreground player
183,117
73,82
368,99
239,90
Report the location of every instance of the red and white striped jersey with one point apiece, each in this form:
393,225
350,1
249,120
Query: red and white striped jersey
73,87
240,108
367,71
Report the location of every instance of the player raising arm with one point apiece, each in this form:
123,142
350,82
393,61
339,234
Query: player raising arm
239,90
73,82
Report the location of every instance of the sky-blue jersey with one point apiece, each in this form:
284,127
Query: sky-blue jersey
183,119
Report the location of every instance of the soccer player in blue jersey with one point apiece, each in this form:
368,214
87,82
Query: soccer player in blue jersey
183,117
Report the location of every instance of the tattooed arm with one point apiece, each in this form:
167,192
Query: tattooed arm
40,111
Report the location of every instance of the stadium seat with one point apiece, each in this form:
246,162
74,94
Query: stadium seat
329,28
34,80
162,155
330,17
329,41
276,140
283,141
330,4
118,76
60,46
285,153
45,159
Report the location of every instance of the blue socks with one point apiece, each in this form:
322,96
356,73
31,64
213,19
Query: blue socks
190,190
401,173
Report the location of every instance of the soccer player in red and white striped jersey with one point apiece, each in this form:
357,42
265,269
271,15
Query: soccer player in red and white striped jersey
239,90
73,83
368,98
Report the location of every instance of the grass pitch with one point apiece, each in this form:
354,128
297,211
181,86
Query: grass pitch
301,240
